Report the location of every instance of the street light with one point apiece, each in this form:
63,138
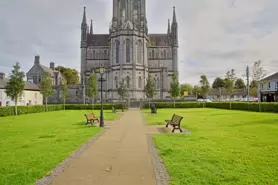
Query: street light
101,123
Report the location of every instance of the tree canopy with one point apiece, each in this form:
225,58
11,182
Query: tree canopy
123,90
205,86
239,84
46,87
186,87
175,87
150,88
218,83
71,75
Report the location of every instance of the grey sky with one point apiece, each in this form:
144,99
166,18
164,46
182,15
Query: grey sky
214,35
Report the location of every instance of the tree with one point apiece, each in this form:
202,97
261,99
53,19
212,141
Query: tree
230,88
122,92
64,92
231,74
70,74
258,73
186,87
205,87
150,89
197,91
254,92
218,83
239,84
46,88
175,88
15,85
254,84
92,88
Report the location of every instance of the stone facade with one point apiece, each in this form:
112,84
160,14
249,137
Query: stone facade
129,52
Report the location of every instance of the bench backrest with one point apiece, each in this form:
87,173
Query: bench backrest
176,118
90,116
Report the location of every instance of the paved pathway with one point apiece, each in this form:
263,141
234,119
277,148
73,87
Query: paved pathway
119,157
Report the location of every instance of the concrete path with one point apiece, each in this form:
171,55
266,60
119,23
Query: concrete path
119,157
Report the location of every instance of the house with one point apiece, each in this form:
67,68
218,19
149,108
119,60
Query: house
35,74
30,96
268,88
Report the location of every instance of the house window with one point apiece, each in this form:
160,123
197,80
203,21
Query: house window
127,44
127,81
269,85
117,43
276,85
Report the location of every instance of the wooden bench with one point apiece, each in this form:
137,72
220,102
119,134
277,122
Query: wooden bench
91,118
175,122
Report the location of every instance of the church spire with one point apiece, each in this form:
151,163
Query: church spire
91,28
174,15
169,30
84,20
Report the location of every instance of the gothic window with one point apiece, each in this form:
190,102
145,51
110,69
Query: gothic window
97,55
154,80
139,56
123,9
153,53
150,54
117,43
105,54
157,84
127,44
164,53
127,82
140,83
168,55
116,82
94,54
157,54
100,55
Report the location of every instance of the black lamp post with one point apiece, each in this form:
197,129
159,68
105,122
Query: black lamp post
101,123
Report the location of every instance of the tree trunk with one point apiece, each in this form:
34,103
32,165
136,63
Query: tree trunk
149,104
174,103
16,106
93,104
219,94
230,103
122,105
46,108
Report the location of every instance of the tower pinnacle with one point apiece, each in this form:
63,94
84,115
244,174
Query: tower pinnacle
84,20
174,15
91,28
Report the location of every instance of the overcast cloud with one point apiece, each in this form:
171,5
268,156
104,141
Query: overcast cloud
214,35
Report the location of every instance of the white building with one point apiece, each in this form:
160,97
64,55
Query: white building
269,88
30,96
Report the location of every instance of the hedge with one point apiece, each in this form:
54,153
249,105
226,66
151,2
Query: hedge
10,111
254,107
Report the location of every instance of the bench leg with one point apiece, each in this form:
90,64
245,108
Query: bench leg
173,129
180,129
167,125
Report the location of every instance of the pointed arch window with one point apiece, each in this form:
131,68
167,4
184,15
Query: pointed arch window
127,82
140,83
127,44
105,54
97,55
164,53
116,82
139,54
117,44
153,53
94,54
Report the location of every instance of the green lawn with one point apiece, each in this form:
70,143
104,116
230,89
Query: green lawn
225,147
32,145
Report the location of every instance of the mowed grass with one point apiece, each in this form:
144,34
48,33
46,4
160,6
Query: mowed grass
32,145
225,147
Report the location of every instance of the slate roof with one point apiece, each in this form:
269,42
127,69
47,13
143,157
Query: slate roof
28,85
271,77
158,39
98,40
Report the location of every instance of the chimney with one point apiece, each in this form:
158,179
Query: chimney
52,66
37,60
2,76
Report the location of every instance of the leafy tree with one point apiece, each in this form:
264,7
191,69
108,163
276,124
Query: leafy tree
186,87
239,84
64,92
230,88
70,74
197,91
122,92
205,87
150,89
92,88
254,92
15,85
46,87
218,83
175,88
254,84
231,74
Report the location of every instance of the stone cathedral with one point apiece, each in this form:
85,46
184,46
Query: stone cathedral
129,52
